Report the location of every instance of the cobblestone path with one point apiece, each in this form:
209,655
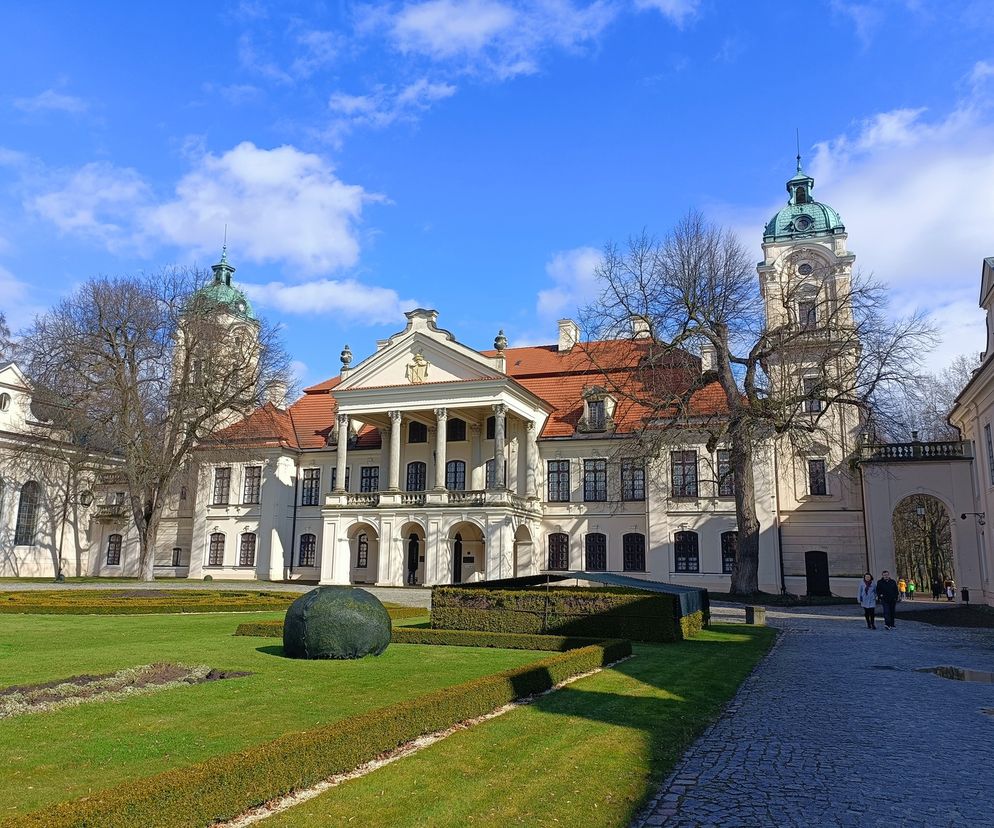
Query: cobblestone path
835,727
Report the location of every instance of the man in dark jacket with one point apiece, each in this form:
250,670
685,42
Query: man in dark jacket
887,593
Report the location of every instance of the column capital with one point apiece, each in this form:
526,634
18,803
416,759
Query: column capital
395,416
441,414
530,427
474,427
499,409
343,420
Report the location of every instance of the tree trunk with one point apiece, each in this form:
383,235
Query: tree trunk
745,575
147,535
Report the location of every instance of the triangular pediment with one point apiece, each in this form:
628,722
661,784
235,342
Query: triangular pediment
419,356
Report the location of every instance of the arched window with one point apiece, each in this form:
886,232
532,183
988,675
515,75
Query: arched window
455,476
114,550
686,555
729,551
215,552
308,550
246,552
559,551
595,552
417,432
455,430
4,401
362,551
416,476
633,548
27,514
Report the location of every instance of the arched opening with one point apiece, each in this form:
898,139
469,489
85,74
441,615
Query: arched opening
816,572
923,544
524,552
413,538
468,555
558,552
595,552
27,514
364,554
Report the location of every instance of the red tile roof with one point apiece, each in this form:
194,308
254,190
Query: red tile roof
557,377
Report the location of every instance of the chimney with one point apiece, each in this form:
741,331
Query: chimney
640,327
709,357
569,334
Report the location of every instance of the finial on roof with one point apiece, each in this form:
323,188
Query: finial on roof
797,132
500,341
224,246
346,356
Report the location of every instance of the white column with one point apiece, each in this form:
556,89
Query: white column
476,457
343,450
395,420
500,412
531,459
441,416
384,456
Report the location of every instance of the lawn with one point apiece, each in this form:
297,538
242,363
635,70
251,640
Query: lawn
589,754
70,753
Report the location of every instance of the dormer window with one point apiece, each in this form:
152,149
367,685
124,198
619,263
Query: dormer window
598,411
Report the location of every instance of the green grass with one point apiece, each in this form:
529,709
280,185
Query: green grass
588,755
62,755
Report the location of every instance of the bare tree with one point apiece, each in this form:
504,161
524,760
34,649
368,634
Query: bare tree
921,409
150,367
923,540
793,362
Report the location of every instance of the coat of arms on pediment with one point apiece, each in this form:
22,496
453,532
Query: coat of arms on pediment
417,369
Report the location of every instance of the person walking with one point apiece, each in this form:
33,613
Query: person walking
902,589
950,590
911,590
888,593
868,600
936,589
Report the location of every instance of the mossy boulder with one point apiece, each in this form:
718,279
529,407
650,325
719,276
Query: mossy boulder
336,622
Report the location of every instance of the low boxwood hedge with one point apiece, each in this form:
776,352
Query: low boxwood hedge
592,613
451,638
223,787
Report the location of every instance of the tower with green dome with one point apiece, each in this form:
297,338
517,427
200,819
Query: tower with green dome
220,293
802,217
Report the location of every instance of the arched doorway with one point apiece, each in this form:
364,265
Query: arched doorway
468,558
413,539
923,543
816,570
364,554
524,560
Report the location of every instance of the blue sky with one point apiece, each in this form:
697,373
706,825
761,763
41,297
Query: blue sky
474,156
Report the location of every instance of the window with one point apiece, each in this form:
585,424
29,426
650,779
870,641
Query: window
559,488
455,430
726,479
595,552
362,551
812,405
683,468
114,550
308,550
633,548
416,476
177,559
182,492
801,195
817,481
489,481
596,420
632,480
990,452
595,480
729,551
310,488
334,479
4,401
417,432
491,427
455,476
807,314
686,557
215,551
246,552
369,479
253,484
222,486
27,514
559,551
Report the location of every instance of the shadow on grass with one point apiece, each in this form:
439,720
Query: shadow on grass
272,649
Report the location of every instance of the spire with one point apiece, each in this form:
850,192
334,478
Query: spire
798,135
223,270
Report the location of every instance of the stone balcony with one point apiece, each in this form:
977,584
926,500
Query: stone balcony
432,499
111,512
915,451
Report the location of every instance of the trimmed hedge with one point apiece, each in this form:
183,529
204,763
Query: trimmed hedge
223,787
592,613
450,638
274,629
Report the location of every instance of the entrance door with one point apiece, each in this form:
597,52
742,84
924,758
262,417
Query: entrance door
457,559
816,569
413,555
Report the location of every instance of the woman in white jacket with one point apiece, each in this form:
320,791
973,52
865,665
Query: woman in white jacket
868,600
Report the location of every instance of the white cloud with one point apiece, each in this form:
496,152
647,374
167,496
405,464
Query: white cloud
574,282
384,106
16,301
864,18
494,38
280,205
52,101
678,11
353,300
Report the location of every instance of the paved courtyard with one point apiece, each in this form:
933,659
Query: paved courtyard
836,728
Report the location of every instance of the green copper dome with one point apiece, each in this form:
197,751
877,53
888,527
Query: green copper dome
222,293
802,217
